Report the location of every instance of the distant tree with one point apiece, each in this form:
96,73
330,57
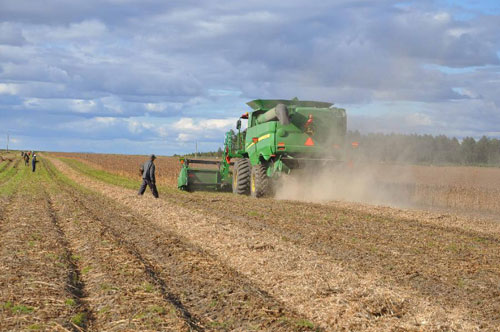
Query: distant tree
468,150
425,149
482,151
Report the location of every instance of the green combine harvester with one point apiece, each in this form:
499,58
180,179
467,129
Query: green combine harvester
281,136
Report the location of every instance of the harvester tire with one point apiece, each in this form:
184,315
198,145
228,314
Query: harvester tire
259,181
241,177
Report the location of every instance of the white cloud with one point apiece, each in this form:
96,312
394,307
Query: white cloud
203,124
108,121
81,30
9,88
138,127
183,137
83,106
183,69
442,17
418,119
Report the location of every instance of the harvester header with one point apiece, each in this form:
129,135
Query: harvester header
282,135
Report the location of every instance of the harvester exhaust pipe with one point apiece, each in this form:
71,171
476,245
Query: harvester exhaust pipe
282,114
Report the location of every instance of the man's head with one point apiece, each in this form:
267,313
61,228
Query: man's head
152,157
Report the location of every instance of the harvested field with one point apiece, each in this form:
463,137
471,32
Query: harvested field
220,262
441,187
167,168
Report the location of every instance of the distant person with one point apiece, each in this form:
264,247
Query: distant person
33,162
148,177
26,159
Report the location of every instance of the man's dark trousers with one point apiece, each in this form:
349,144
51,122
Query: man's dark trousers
152,186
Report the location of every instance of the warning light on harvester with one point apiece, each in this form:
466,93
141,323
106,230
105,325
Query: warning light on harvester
255,139
308,125
355,144
309,142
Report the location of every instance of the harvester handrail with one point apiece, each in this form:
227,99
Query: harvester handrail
205,162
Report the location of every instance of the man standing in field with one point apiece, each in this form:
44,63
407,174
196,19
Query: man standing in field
33,162
148,177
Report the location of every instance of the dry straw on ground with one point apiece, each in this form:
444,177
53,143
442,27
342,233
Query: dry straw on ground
345,270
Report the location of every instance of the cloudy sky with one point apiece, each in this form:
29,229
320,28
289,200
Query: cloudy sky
142,76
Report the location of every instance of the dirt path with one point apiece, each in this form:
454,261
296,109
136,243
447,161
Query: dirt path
344,270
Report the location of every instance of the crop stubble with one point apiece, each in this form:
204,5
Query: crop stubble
343,266
387,272
209,295
34,282
455,187
120,294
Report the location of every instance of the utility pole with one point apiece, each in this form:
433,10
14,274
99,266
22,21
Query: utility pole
196,149
7,141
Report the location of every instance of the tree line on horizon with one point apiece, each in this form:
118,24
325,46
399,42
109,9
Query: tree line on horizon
426,149
415,149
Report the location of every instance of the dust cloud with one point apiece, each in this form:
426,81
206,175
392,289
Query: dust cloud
373,184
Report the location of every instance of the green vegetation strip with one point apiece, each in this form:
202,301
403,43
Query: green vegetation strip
7,171
102,175
10,180
3,165
111,178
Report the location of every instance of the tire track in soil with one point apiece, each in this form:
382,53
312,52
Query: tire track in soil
454,317
458,264
6,201
271,314
150,270
148,267
153,274
5,206
74,283
121,296
33,282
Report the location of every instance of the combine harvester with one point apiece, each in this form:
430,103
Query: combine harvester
281,136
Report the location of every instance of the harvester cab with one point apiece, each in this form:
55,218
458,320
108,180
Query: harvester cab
282,135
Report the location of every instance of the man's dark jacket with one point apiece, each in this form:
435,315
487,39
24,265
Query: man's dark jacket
149,171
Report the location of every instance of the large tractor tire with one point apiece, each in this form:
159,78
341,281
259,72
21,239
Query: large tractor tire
241,177
259,181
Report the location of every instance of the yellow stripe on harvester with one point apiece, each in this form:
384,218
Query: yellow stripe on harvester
263,137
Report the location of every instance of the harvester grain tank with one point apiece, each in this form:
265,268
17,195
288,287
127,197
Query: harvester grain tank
281,136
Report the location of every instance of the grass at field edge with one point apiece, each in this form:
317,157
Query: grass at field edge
107,177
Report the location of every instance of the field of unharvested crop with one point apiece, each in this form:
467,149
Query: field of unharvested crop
80,251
